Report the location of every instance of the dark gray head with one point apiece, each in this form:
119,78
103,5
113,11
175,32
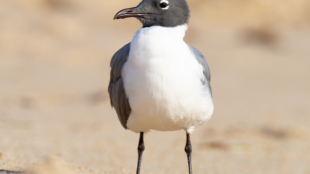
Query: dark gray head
166,13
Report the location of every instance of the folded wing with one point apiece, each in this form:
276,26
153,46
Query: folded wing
206,70
116,89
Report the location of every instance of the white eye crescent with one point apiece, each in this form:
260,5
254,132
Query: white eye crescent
164,4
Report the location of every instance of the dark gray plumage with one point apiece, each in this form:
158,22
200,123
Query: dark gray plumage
177,14
206,70
116,89
153,13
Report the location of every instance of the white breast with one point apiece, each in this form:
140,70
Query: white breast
162,80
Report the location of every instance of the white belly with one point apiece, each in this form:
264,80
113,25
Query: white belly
162,81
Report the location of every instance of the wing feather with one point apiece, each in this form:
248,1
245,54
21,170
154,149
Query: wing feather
116,89
206,70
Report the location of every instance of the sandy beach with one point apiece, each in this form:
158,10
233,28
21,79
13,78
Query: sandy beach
55,113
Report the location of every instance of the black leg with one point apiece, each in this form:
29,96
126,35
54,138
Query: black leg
188,150
140,151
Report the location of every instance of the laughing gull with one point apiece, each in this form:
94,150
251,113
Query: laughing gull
158,82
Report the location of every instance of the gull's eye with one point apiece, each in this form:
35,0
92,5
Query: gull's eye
164,4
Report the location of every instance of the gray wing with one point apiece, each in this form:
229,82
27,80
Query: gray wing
206,70
116,89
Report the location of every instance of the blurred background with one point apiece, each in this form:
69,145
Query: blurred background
54,73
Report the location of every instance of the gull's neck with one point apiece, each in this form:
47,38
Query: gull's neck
177,32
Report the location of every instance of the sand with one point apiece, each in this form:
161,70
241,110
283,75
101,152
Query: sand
55,114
